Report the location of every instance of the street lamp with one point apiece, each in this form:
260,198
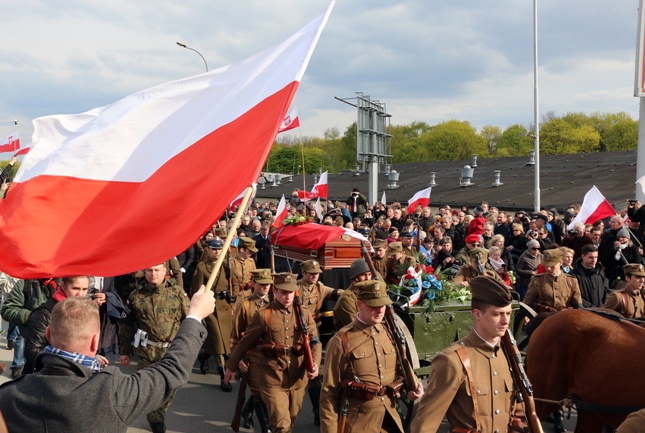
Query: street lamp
192,49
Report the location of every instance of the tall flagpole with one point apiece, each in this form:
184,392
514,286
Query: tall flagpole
536,110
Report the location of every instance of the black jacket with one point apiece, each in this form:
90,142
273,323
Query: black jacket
594,285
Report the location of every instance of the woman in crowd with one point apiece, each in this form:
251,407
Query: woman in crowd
495,260
527,266
567,260
499,241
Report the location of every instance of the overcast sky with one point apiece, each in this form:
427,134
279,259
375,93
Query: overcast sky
428,60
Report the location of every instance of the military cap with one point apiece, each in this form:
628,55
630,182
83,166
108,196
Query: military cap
359,266
634,269
311,267
471,239
286,281
551,257
247,243
262,276
394,247
215,244
490,291
407,234
482,252
221,232
379,243
372,293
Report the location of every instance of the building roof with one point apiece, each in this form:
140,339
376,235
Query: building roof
564,179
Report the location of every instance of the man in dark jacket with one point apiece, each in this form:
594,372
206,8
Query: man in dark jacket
68,377
594,285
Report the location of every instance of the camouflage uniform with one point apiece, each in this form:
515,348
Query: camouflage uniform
157,310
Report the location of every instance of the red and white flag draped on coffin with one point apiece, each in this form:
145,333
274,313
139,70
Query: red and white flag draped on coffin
594,208
131,184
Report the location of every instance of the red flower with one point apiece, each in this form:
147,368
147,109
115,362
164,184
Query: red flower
429,270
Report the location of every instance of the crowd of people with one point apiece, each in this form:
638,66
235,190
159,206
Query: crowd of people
256,330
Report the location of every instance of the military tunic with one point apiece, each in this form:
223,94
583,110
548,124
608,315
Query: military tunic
410,251
369,357
557,293
241,277
284,377
244,311
380,265
219,324
632,306
157,310
448,392
345,308
397,268
467,273
312,296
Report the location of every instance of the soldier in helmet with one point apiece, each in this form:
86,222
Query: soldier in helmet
345,309
276,337
630,300
361,367
156,310
219,323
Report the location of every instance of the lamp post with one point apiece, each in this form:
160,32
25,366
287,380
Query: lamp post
536,112
192,49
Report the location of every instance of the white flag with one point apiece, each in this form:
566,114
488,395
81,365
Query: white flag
318,209
383,200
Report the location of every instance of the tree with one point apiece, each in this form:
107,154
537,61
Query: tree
453,140
491,134
559,137
514,141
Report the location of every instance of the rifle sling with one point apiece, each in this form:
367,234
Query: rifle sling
465,360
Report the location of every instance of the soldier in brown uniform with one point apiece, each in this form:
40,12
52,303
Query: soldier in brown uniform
407,239
378,258
553,290
219,323
478,261
397,263
473,363
362,353
630,300
156,311
312,294
244,311
345,308
275,334
241,267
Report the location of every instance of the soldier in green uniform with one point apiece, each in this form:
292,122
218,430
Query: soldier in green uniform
244,311
378,258
220,323
472,241
156,310
407,239
345,308
275,335
478,261
397,263
312,294
361,367
471,382
241,267
630,300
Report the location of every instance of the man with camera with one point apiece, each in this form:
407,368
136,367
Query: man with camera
356,204
156,309
576,239
220,323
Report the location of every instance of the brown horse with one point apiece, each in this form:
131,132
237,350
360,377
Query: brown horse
593,358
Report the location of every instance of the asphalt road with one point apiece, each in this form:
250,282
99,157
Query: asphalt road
202,407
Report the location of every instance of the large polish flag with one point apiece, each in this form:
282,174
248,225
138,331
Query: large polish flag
321,189
10,143
131,184
420,198
281,213
594,208
290,121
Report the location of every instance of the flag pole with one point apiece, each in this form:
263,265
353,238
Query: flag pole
229,238
302,152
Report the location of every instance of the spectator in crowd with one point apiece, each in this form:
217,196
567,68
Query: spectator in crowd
594,285
488,233
505,255
543,238
527,266
476,226
379,229
393,235
595,234
263,244
497,263
445,255
576,239
607,250
625,252
558,228
567,260
501,226
356,203
427,249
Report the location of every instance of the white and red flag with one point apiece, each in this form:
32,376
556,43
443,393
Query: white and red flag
318,209
594,208
237,201
321,188
23,151
420,198
10,143
306,195
281,213
290,121
128,185
383,199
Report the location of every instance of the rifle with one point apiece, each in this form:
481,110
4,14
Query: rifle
286,256
309,359
480,267
342,417
239,405
400,344
521,380
272,258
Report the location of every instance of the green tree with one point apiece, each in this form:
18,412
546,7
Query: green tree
491,134
558,137
453,140
514,141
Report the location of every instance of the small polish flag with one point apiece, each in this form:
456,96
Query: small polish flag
290,121
23,151
594,208
321,188
306,195
281,213
420,198
10,144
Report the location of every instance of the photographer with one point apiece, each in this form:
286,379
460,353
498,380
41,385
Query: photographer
356,203
576,239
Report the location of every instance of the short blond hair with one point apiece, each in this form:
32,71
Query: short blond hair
73,319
